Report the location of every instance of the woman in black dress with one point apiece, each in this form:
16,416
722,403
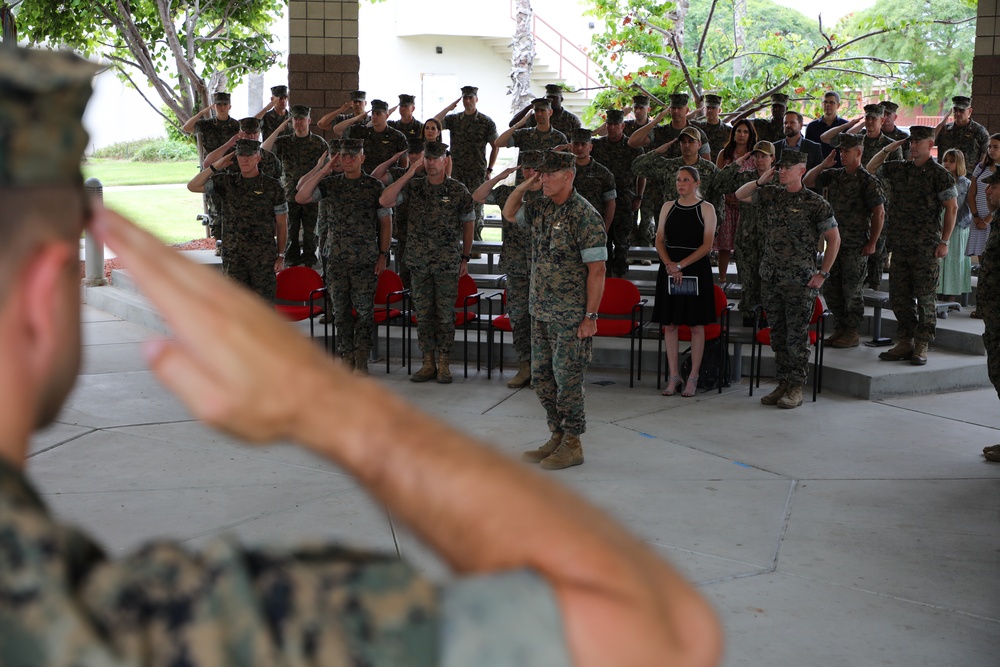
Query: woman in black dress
684,238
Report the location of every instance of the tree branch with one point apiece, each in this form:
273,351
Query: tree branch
855,71
746,53
704,32
687,74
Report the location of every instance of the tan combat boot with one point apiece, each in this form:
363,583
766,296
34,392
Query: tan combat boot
428,371
919,357
792,397
569,453
849,338
536,455
779,391
444,373
901,352
837,335
523,376
361,360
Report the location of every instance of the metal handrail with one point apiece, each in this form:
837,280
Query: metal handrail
564,60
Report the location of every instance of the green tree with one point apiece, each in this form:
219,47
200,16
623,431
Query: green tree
180,50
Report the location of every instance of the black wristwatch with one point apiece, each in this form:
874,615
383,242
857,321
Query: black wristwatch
214,170
825,274
467,258
591,316
384,253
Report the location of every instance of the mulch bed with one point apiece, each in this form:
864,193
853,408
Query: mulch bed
116,263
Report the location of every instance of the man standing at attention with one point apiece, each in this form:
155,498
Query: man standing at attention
988,297
654,134
381,141
829,120
214,132
358,237
917,232
770,129
889,128
561,119
713,127
859,204
471,131
597,185
614,153
407,124
798,220
963,133
298,153
275,113
439,216
794,141
353,107
538,138
569,249
256,213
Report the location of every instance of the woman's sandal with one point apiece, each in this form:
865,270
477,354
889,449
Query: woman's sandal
691,388
674,383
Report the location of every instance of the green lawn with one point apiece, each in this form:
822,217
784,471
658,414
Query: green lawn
169,214
125,172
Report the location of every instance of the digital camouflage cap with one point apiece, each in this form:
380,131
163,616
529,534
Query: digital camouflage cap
556,161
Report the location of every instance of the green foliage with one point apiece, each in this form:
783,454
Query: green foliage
149,150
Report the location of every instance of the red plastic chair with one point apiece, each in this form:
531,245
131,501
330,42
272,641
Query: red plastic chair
499,323
390,291
468,296
619,315
720,329
299,287
762,337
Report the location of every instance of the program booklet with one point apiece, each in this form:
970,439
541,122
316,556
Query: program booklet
688,287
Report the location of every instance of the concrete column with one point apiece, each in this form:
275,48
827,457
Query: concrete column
323,61
986,66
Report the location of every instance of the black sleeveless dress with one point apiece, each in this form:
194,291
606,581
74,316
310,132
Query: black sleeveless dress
684,231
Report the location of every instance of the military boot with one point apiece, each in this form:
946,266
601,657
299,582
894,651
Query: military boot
443,372
779,391
348,359
536,455
523,376
361,360
919,357
849,338
901,352
428,371
792,397
569,453
837,335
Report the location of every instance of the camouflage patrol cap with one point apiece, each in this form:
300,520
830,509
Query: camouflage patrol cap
874,110
532,159
640,100
779,99
279,91
416,145
690,133
615,117
358,96
848,140
765,147
380,105
300,111
679,100
556,161
919,132
792,158
891,107
554,90
222,98
470,91
541,104
992,178
435,149
334,145
39,92
351,146
247,147
405,100
250,125
712,100
961,102
581,135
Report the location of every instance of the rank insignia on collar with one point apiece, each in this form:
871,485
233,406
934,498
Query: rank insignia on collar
446,199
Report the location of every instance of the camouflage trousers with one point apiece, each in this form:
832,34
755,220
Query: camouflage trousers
619,235
749,244
644,233
844,287
518,290
399,233
912,294
472,181
213,206
257,274
876,263
988,307
434,291
352,287
558,362
301,216
789,308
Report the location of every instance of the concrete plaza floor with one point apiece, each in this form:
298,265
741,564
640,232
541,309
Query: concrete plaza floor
846,532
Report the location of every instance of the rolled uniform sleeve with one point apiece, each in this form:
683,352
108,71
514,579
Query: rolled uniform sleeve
948,193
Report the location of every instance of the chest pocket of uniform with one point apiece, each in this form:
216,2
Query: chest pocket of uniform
562,242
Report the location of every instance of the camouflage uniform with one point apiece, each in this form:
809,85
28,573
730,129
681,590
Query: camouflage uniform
269,165
470,134
972,140
913,231
515,261
352,241
409,130
853,196
298,155
562,120
436,216
215,133
400,215
875,263
718,135
596,184
663,173
871,147
795,223
379,146
250,206
769,129
630,126
749,240
564,239
618,158
531,139
270,121
988,300
664,133
896,135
